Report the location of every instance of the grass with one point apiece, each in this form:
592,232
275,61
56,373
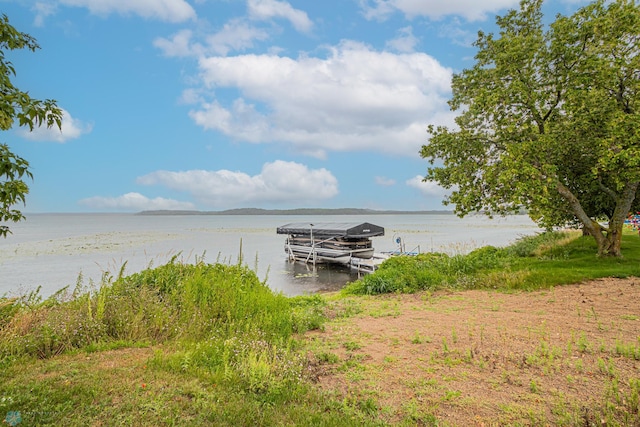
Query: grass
210,344
534,262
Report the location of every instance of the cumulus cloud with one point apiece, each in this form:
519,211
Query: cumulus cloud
278,182
355,98
427,188
164,10
135,202
71,129
268,9
471,10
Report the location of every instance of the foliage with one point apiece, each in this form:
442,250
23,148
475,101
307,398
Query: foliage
172,303
542,260
13,189
534,245
426,271
17,105
549,121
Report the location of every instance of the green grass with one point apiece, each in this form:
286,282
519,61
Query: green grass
534,262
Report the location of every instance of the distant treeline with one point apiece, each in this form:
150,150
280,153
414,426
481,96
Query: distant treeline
302,211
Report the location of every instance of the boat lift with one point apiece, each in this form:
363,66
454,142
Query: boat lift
336,243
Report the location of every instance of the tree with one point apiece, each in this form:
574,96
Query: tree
17,105
548,121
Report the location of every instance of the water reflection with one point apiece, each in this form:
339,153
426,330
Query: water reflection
307,278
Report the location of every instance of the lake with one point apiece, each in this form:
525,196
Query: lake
53,250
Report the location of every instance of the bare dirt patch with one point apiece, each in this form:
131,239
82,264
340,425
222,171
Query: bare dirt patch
564,356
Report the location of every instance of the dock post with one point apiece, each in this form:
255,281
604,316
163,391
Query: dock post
313,246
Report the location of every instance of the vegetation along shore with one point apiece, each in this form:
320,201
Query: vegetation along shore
538,333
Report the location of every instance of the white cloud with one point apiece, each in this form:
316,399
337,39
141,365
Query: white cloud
471,10
405,42
278,182
267,9
71,129
354,99
42,11
164,10
179,45
235,35
135,202
427,188
384,181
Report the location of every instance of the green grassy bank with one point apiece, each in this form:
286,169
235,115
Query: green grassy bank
531,263
210,344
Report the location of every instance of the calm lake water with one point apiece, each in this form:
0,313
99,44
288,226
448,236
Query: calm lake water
53,250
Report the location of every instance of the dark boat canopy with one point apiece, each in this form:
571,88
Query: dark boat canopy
332,229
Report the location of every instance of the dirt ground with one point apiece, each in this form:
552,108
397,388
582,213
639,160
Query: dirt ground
565,356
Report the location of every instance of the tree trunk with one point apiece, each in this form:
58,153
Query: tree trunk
609,243
616,222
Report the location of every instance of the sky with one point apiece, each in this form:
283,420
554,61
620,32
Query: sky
220,104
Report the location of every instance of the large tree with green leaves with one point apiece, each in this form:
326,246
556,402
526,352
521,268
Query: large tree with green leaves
549,121
16,105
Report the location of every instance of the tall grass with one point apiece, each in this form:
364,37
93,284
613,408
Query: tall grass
218,317
532,262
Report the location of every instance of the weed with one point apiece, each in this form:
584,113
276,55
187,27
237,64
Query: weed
450,395
583,344
534,387
390,359
417,338
352,345
418,414
329,358
622,404
631,350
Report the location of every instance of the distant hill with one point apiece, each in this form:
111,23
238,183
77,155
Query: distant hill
301,211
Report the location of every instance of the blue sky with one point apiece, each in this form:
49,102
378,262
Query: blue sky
219,104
